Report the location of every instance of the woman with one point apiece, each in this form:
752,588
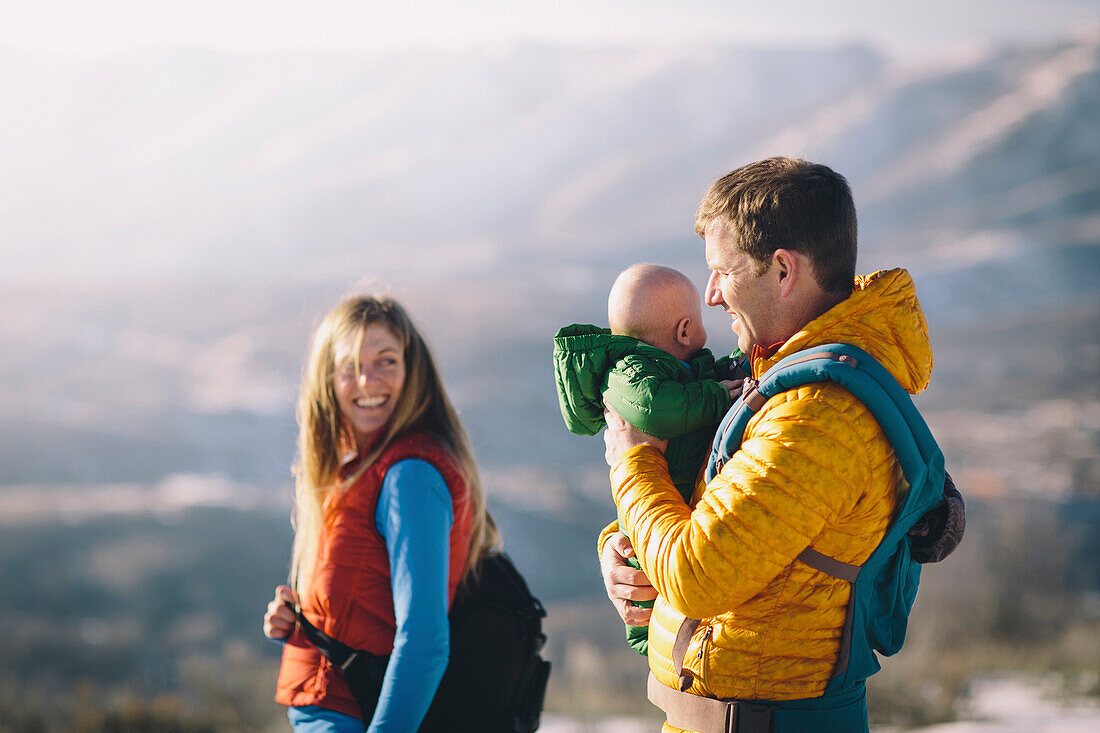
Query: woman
389,515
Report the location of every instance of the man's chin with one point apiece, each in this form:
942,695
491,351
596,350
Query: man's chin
739,337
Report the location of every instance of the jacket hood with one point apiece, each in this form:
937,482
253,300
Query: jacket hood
884,318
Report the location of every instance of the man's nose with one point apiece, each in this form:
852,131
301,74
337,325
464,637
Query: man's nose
713,296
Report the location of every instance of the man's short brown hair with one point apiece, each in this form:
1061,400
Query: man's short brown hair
791,204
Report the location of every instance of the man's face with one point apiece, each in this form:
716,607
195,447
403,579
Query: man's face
751,300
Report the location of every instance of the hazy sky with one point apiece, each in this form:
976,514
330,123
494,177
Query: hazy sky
903,27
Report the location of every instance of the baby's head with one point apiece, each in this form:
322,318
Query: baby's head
657,305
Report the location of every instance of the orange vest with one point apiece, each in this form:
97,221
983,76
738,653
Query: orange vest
350,597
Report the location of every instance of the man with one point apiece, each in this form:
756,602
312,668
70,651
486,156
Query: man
814,468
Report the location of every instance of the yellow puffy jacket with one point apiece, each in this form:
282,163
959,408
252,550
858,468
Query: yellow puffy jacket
814,469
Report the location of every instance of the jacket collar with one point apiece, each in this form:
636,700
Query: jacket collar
883,317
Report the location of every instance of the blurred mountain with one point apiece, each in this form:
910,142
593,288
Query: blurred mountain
201,165
177,222
196,164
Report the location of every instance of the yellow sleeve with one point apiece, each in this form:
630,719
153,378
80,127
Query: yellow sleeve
801,465
604,534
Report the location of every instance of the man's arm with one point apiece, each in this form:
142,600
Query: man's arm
801,465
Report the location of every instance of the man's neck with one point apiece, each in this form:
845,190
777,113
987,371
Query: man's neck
829,301
799,316
814,308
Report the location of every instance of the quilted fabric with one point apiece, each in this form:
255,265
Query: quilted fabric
649,387
351,598
814,470
652,390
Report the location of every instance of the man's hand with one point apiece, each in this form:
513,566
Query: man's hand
733,386
624,583
621,436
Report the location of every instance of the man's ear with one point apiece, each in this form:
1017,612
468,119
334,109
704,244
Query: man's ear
790,267
682,335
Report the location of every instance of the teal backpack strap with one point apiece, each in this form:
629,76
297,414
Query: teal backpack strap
885,586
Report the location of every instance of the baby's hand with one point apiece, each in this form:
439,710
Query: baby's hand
734,387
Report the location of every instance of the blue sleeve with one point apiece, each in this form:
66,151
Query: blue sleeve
414,515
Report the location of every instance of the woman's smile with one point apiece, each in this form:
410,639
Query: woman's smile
371,402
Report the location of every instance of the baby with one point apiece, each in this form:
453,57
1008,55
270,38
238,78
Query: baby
652,369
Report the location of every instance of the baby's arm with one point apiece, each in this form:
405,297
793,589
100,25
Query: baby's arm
733,367
660,405
582,356
733,386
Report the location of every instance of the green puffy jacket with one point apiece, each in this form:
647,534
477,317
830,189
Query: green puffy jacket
649,387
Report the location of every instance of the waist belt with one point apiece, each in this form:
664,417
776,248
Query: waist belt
706,714
842,713
845,712
362,670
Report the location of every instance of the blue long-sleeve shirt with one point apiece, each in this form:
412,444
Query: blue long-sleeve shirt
414,515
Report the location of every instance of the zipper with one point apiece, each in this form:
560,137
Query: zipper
704,645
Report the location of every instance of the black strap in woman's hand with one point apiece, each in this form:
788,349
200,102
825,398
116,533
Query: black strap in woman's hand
363,671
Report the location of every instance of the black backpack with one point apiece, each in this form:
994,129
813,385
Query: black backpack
495,679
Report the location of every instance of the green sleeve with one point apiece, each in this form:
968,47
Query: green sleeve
734,366
656,402
581,361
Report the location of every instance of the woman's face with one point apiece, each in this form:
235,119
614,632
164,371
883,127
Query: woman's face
367,398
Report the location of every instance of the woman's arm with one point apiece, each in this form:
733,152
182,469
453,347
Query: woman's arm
414,516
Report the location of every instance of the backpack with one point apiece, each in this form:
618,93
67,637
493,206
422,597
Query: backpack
495,679
885,586
929,521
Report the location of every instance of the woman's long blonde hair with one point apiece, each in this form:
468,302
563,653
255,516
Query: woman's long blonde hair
324,437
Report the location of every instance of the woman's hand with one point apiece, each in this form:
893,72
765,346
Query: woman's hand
624,583
280,618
